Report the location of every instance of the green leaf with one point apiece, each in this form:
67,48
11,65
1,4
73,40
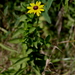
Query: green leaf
48,45
4,30
45,14
17,33
66,5
36,71
25,25
17,22
16,40
47,17
48,5
29,51
23,6
32,30
23,18
47,38
35,44
6,11
21,61
55,60
19,72
7,48
44,1
24,48
8,72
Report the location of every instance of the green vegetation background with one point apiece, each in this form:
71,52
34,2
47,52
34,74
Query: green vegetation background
31,45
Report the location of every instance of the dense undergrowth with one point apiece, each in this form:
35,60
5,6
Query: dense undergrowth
37,45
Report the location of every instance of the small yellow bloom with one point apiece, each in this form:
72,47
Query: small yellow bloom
35,8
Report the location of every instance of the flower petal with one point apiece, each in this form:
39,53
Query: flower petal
38,14
38,3
41,6
38,10
35,11
30,11
32,4
41,9
29,7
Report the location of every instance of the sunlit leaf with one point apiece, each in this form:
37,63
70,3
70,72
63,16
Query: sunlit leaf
7,48
21,61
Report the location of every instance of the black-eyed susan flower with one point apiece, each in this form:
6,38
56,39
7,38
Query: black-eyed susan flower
35,8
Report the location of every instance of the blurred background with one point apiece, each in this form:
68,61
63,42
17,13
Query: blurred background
44,49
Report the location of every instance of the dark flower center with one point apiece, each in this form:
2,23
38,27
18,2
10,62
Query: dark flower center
35,7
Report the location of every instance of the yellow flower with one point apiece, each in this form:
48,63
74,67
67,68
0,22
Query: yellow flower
35,8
